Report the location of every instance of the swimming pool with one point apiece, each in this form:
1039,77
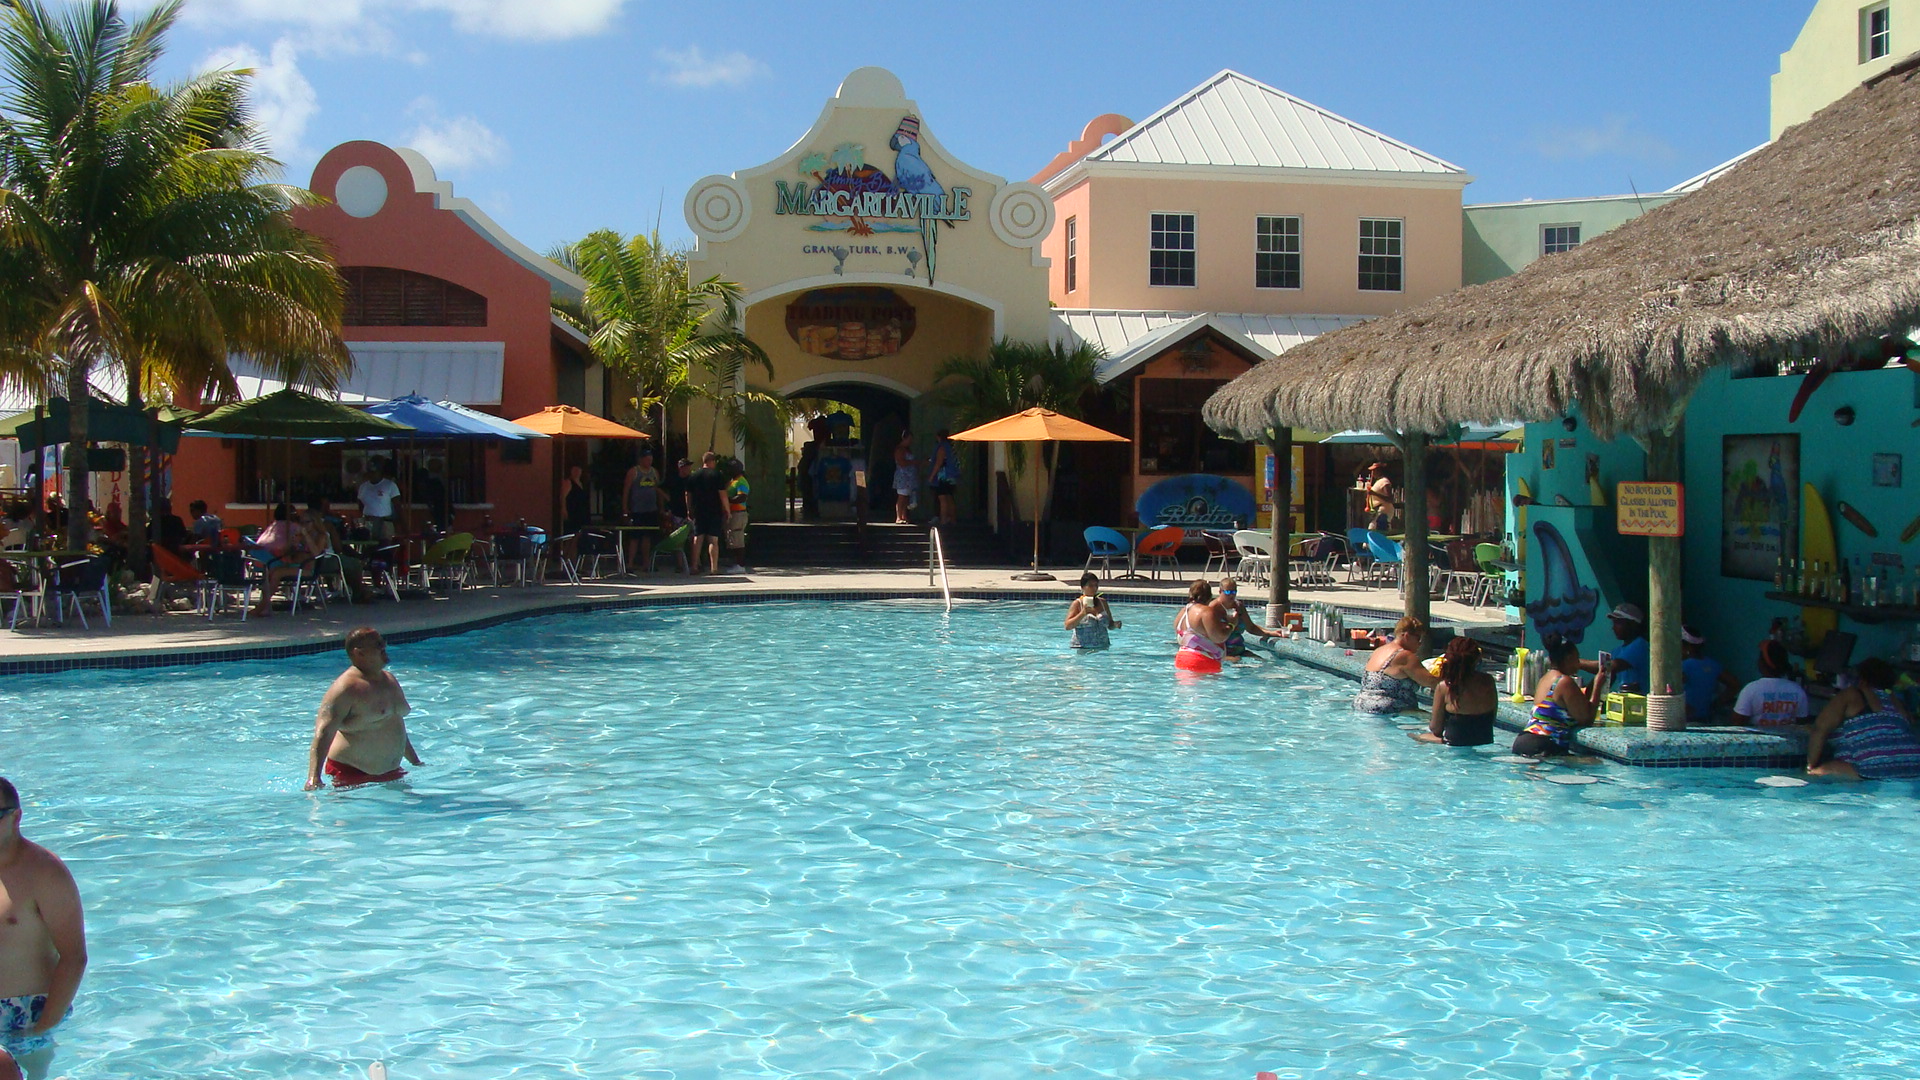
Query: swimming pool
864,840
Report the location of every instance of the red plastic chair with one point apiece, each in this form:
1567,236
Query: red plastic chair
1161,547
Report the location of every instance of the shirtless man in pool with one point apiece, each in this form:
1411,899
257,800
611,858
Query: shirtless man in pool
361,732
43,945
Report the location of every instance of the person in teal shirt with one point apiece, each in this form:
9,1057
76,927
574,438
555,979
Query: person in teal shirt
1630,660
1706,682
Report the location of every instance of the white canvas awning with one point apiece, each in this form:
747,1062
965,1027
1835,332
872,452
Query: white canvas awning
467,372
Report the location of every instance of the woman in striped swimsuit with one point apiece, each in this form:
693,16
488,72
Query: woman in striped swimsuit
1561,705
1864,731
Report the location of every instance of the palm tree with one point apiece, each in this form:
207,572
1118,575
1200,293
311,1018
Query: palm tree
1014,376
676,338
136,229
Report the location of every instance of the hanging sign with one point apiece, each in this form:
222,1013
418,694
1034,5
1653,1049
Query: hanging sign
1652,508
852,323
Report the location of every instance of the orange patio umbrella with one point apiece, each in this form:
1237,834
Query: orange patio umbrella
567,420
564,420
1037,426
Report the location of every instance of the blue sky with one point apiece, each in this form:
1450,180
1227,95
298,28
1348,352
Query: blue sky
560,116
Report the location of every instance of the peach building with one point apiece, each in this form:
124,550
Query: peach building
441,302
1223,229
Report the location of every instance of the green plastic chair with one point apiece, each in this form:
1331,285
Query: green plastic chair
675,545
1493,580
446,560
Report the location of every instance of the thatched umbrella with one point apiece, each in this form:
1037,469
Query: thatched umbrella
1807,249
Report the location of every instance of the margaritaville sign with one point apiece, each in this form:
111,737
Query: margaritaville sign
842,202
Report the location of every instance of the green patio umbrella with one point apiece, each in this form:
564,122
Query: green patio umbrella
107,422
294,415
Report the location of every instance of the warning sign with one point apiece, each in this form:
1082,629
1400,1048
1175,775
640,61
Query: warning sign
1652,508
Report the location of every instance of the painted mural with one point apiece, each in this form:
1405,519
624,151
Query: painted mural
1565,607
1760,512
857,197
1196,502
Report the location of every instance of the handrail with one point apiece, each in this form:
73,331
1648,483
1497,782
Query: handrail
937,556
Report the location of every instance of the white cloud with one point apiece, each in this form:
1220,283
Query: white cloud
283,100
694,68
551,19
1615,137
360,25
460,142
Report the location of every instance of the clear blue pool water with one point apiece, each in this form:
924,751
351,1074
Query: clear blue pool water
870,840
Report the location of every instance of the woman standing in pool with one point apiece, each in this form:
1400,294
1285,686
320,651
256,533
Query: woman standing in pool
1465,700
1561,705
1864,729
1394,674
1201,634
1090,616
1235,618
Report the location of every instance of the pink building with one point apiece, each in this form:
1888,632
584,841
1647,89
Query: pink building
1225,228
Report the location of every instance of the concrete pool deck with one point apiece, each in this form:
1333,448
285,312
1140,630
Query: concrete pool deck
141,641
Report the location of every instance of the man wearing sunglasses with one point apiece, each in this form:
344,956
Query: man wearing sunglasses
360,733
43,945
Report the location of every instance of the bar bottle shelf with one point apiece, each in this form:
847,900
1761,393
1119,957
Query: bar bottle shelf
1857,612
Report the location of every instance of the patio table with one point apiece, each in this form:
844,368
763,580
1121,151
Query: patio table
620,541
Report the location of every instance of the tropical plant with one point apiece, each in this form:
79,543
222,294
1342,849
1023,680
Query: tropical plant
676,338
136,230
1014,376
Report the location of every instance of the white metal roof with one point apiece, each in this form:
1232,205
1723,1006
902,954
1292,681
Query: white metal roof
1130,338
1232,120
1715,173
467,372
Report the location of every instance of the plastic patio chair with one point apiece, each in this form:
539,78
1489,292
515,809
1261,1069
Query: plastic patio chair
1256,555
1161,547
174,572
1493,580
517,550
81,579
1460,570
1389,558
1105,545
231,572
1359,555
675,545
19,583
1219,548
445,562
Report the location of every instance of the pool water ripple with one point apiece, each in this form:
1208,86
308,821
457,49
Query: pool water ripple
788,840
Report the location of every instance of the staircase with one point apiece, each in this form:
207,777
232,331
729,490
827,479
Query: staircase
889,547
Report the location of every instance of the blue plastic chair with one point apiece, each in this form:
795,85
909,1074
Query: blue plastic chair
1106,545
1359,554
1386,552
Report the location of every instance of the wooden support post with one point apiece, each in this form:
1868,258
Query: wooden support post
1663,576
1280,445
1417,600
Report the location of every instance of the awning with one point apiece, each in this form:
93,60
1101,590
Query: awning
468,372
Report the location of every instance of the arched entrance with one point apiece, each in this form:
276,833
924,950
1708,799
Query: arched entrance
882,413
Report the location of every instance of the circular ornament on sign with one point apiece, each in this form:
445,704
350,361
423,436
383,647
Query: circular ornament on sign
361,191
1021,214
718,208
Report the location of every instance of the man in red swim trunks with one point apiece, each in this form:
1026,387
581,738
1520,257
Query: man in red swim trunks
361,732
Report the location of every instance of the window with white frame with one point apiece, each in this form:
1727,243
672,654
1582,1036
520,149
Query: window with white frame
1876,32
1555,239
1276,252
1381,257
1170,250
1073,254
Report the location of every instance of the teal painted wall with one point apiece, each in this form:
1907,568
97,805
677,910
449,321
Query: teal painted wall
1501,238
1614,565
1733,612
1836,460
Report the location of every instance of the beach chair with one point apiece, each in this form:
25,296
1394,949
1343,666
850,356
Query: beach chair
674,545
82,580
1105,545
1161,547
